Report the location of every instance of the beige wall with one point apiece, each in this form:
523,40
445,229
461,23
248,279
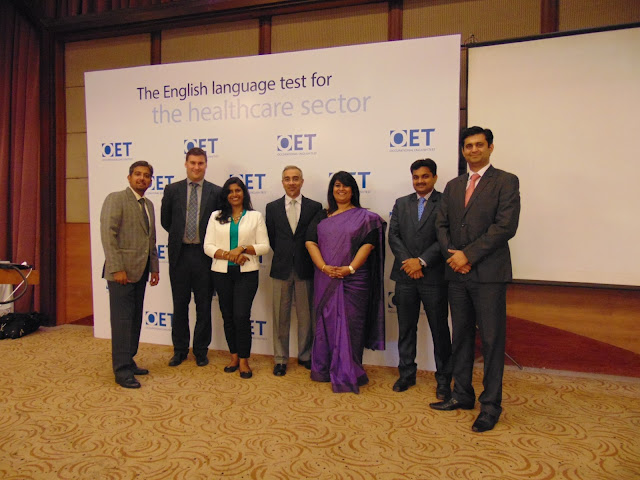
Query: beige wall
330,28
221,40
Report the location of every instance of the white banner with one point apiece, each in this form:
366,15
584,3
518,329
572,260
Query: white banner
368,109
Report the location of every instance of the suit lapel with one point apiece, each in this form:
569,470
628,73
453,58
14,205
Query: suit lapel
428,209
485,180
135,205
413,211
207,188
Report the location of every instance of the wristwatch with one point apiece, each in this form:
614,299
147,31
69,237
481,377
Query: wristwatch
352,270
244,248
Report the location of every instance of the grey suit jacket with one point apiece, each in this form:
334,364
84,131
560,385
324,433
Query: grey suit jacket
410,238
481,230
126,243
173,214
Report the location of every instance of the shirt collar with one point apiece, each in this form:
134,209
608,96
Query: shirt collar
287,199
426,197
138,197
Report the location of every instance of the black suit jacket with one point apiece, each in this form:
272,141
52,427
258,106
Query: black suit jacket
410,238
174,211
288,247
481,230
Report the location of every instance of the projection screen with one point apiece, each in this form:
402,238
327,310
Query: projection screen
564,112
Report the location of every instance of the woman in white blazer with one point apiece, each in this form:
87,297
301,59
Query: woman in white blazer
236,237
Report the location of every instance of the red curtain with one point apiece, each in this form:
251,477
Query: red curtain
19,144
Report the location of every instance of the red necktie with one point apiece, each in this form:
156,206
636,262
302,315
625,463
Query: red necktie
471,188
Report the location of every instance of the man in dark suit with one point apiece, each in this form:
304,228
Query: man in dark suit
291,269
128,233
418,271
478,216
186,208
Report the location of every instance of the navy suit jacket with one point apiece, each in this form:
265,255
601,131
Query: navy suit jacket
288,247
483,228
410,238
174,211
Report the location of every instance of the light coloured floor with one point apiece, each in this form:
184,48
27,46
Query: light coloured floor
63,417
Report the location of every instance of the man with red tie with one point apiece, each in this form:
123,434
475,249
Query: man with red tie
479,214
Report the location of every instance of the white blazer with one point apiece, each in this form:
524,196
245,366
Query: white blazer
251,231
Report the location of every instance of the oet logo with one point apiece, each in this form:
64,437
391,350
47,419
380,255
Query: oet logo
159,182
257,328
253,181
206,144
116,150
391,301
414,138
157,319
360,177
296,144
163,253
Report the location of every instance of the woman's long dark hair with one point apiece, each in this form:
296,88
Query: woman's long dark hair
347,180
225,207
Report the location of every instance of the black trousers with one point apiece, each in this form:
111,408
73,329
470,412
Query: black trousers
236,291
408,297
125,304
191,273
484,305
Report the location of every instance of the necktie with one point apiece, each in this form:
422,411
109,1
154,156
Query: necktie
292,215
192,213
145,217
472,186
421,203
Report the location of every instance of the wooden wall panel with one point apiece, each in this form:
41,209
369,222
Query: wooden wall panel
330,28
81,57
221,40
104,54
578,14
486,20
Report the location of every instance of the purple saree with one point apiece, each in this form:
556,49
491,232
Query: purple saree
349,311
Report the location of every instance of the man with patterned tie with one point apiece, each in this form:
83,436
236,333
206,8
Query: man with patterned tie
186,208
418,271
291,268
479,214
128,233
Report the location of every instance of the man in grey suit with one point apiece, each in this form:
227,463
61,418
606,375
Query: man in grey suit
287,220
479,214
128,232
186,208
418,271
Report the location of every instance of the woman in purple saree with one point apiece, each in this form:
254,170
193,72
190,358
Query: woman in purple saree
346,244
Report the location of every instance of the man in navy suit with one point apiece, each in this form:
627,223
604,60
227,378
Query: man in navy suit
479,214
418,271
186,208
291,268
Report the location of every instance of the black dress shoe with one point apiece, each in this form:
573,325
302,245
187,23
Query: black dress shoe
177,359
402,384
230,368
451,404
305,363
245,375
202,361
280,370
140,371
443,392
130,382
484,422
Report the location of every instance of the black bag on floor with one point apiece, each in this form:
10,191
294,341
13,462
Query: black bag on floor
16,325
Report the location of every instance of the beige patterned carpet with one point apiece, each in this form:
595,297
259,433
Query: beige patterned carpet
63,417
